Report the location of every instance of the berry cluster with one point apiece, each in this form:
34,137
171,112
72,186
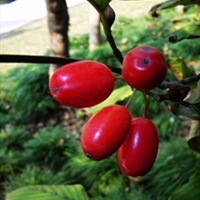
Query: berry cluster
112,129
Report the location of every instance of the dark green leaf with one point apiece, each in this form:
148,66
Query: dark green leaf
101,4
191,111
194,136
189,191
45,192
195,96
187,72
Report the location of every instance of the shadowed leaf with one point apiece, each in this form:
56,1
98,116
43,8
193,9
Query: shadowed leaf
189,108
194,136
190,190
191,111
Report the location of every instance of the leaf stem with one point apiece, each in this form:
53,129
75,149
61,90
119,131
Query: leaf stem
118,78
107,32
145,103
130,99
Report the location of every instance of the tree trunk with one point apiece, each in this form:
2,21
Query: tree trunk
58,22
94,37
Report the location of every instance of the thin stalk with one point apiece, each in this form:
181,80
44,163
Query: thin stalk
108,32
8,58
145,104
118,78
130,99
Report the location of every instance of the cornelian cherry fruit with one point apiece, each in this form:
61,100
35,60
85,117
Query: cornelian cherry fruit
81,84
105,132
137,154
144,68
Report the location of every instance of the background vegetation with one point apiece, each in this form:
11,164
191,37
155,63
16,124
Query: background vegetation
38,146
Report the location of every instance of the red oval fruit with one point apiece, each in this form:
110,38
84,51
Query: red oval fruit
144,68
81,84
105,132
137,154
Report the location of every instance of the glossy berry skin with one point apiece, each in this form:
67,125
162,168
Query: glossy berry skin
144,68
137,154
81,84
105,132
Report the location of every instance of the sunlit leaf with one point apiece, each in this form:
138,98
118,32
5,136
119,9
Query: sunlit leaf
180,69
102,4
176,67
194,136
117,95
190,190
46,192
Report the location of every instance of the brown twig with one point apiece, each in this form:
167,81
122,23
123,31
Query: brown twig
164,85
6,58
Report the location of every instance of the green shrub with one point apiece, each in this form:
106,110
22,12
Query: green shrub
11,151
51,147
25,95
99,178
33,175
54,156
173,167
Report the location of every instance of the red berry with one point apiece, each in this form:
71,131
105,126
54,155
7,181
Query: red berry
105,132
137,154
81,84
144,68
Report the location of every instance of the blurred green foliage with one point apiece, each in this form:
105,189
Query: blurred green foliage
25,95
51,147
52,155
174,165
129,33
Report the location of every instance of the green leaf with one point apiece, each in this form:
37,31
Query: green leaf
117,95
101,4
191,111
176,66
187,72
180,69
190,190
171,4
191,107
46,192
194,136
195,96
